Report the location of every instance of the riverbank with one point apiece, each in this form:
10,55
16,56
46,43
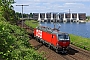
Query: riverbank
80,41
88,20
75,40
31,23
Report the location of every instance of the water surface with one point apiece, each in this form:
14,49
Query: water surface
80,29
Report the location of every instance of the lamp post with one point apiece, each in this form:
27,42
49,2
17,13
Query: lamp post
22,12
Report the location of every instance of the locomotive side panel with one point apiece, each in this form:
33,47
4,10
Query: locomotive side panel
34,32
54,40
48,37
39,33
43,35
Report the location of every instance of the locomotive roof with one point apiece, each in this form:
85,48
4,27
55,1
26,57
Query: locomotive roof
48,29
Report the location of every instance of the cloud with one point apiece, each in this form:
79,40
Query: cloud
60,1
74,5
53,5
50,1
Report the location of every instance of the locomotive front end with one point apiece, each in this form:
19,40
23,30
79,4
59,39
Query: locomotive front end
63,42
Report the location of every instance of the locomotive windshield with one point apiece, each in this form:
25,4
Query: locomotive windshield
63,37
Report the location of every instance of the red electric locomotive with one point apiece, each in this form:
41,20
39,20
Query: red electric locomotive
53,38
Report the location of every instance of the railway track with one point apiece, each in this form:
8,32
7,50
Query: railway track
81,51
74,53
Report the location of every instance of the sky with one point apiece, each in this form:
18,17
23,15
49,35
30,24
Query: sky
60,6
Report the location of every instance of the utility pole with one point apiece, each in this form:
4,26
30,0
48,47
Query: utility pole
22,12
69,13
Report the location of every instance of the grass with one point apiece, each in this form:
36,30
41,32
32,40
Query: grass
75,40
80,41
31,23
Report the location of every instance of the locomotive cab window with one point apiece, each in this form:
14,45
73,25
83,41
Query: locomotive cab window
63,37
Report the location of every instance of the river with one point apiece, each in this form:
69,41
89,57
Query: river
80,29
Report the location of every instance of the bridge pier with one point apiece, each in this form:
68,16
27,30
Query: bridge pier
64,19
71,19
45,19
77,17
39,19
56,17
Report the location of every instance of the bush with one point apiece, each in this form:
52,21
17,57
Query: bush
14,44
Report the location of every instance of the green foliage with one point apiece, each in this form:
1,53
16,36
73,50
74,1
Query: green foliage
31,23
2,18
80,41
31,15
19,15
6,10
88,17
1,12
14,43
14,40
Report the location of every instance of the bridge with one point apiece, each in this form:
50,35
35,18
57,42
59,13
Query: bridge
60,17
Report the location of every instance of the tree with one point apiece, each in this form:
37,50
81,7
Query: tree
7,9
31,15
